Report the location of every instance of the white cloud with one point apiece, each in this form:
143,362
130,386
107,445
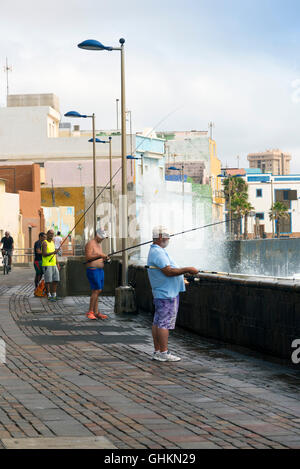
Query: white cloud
254,100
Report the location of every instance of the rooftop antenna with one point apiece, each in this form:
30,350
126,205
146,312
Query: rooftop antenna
7,69
238,160
211,126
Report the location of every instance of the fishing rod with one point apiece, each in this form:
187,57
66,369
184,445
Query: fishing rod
189,278
171,236
94,201
109,182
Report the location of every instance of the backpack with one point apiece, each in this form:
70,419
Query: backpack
40,289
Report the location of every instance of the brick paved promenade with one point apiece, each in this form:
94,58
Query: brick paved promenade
68,379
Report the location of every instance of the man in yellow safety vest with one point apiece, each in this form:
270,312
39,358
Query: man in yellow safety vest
50,265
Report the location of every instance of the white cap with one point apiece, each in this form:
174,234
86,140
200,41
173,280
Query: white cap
160,230
102,234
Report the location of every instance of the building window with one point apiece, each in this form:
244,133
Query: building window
258,192
260,216
285,195
285,224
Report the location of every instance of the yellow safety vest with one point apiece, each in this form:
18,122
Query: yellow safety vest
49,260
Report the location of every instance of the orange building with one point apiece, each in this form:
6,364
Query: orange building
25,181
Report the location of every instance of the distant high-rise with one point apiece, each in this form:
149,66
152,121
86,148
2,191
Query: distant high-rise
271,161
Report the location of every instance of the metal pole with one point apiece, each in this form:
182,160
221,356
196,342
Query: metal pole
230,214
131,147
117,104
111,198
124,172
94,174
272,199
182,177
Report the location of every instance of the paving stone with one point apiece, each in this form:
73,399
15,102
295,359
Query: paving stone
69,377
96,442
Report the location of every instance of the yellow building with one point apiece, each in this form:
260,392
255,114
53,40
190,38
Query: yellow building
67,197
215,182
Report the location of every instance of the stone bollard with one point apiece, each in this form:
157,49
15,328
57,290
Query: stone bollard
125,300
62,288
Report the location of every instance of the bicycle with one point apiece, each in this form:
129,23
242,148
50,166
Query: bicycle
5,263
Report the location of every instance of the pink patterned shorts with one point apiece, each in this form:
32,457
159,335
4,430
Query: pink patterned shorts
166,312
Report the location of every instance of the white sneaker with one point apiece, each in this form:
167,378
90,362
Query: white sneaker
157,356
171,358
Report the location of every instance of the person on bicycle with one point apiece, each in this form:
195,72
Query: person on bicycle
8,246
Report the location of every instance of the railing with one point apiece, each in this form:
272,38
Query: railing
26,255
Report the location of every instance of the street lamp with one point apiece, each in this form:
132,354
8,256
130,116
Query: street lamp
172,168
94,45
97,140
84,116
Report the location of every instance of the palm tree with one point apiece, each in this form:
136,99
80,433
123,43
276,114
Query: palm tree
238,204
246,210
278,212
236,195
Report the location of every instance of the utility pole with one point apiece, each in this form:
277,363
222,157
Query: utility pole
7,69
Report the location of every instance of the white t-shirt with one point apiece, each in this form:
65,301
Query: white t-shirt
57,241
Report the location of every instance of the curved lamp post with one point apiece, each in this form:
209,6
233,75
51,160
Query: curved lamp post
94,45
84,116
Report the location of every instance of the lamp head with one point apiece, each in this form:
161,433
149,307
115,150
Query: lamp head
97,140
122,41
74,114
91,44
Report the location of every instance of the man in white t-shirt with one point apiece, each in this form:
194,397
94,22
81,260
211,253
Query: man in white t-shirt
57,242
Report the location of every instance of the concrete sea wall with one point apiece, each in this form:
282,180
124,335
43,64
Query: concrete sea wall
260,315
74,280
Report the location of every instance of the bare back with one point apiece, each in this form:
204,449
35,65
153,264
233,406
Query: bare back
94,249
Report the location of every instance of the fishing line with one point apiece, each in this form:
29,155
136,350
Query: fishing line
109,182
171,236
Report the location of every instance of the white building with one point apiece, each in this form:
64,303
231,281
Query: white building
266,189
31,132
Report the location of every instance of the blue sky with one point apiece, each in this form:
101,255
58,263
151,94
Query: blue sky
233,62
